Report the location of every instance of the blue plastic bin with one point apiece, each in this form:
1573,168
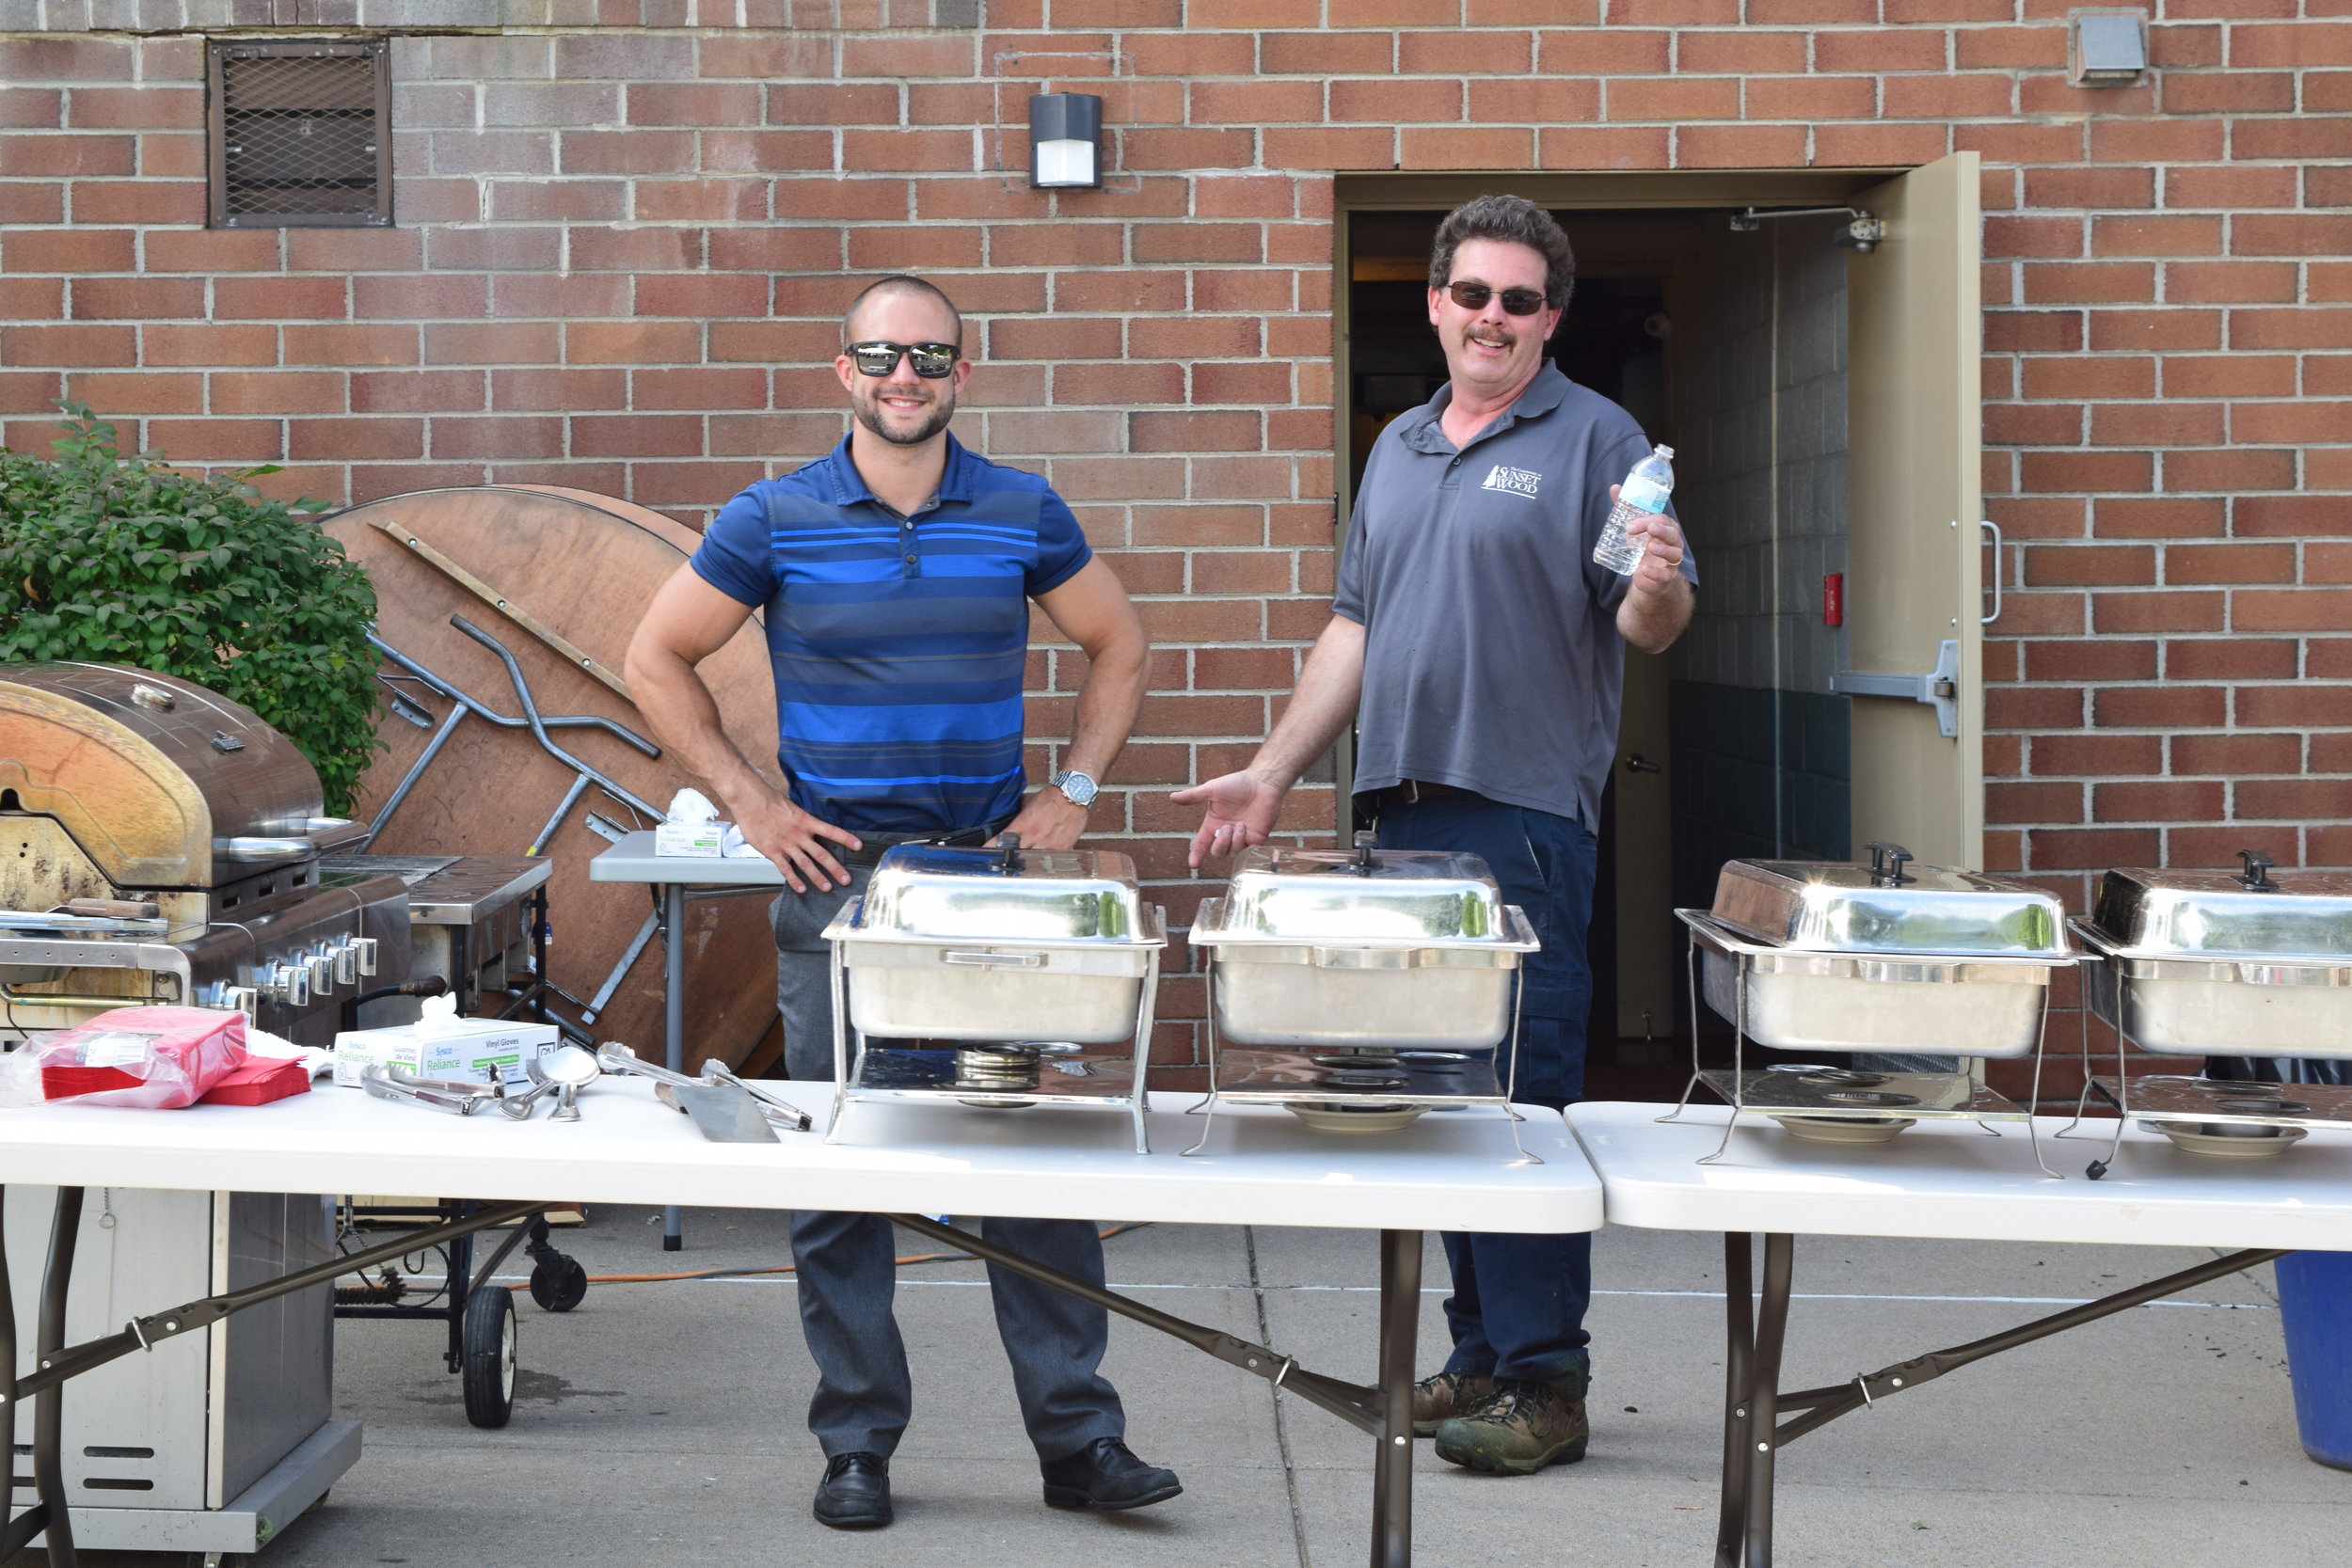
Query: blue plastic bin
2315,1304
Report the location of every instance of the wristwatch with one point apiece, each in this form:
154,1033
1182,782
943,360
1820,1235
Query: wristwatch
1077,787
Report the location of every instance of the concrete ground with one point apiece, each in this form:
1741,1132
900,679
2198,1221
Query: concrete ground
660,1424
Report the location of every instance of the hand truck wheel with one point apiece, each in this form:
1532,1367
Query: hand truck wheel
489,1355
558,1283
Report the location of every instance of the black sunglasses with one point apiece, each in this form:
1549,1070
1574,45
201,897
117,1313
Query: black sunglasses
931,360
1517,301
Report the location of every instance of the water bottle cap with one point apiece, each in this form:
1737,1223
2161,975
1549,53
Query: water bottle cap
1664,452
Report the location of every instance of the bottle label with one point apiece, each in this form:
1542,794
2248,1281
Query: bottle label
1642,493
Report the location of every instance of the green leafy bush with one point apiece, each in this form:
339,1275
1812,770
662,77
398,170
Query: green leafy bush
124,561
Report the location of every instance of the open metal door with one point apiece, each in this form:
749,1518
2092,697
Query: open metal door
1914,497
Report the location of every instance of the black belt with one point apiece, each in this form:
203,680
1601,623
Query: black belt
1411,792
874,845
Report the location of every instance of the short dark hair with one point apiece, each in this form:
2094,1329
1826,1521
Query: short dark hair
900,283
1513,219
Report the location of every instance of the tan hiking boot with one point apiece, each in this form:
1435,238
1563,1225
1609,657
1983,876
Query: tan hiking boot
1439,1399
1523,1428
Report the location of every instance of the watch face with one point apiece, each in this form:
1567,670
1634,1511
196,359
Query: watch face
1080,789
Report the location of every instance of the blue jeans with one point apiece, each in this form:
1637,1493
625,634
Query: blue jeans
1518,1302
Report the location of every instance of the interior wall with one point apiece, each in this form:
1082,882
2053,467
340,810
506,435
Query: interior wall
1759,400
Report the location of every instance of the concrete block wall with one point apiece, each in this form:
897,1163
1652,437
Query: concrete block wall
624,231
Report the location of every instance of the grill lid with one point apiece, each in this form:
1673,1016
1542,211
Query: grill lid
1362,896
1888,907
153,777
2246,914
930,891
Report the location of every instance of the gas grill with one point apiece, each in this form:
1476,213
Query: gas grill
160,843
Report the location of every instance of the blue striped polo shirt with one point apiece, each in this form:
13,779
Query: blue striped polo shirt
897,643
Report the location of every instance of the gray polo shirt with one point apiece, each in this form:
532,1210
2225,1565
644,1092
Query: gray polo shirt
1491,656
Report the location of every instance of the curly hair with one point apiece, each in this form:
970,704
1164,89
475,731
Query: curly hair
1515,220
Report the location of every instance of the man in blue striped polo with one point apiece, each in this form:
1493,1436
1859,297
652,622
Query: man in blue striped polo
896,573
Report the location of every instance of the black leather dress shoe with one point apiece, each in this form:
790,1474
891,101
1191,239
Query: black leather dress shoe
855,1493
1106,1474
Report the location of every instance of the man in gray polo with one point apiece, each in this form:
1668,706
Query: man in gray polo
1481,649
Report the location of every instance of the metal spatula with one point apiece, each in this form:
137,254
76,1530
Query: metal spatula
724,1114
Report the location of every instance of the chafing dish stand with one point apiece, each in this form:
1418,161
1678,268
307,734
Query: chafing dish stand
2219,964
1843,960
1361,988
1000,955
900,1159
1941,1183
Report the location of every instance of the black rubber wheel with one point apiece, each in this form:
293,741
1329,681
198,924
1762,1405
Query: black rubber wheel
558,1283
490,1352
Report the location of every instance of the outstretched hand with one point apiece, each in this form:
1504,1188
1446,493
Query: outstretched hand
1240,809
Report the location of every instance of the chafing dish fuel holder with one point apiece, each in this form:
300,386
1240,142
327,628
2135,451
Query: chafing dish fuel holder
1359,987
1837,959
1000,977
2221,964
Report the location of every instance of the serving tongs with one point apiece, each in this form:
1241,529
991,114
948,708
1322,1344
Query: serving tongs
772,1107
459,1096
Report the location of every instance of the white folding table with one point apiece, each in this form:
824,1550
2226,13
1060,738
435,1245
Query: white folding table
676,879
1262,1167
1937,1179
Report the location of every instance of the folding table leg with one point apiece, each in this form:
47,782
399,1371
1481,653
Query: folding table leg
1731,1522
673,1021
1392,1468
1771,1322
49,1405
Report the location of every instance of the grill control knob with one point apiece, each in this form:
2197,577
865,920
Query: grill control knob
322,968
347,963
363,949
242,998
289,984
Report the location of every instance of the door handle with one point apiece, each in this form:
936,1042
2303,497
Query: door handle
1989,526
1636,763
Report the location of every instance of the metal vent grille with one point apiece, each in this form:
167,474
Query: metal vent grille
301,134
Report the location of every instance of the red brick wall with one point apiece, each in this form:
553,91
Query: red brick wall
620,253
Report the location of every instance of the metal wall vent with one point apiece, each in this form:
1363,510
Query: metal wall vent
301,134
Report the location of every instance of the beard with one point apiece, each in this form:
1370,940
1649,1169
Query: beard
868,406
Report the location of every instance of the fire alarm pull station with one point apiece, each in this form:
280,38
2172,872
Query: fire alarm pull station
1834,599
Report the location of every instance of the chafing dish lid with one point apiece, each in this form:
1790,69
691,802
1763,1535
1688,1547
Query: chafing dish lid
2247,913
1362,896
1833,907
922,892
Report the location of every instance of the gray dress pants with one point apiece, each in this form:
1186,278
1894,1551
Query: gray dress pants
847,1277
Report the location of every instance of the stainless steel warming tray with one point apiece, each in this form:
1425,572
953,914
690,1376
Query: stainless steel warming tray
1001,976
1393,948
2197,963
1360,987
1824,955
1838,960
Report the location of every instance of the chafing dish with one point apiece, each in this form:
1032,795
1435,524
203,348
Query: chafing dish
1825,956
2198,963
200,829
1359,986
1386,948
2221,964
994,948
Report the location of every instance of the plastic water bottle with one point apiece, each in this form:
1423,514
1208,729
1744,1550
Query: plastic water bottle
1643,495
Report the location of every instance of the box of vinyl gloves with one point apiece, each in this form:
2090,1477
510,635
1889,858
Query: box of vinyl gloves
442,1045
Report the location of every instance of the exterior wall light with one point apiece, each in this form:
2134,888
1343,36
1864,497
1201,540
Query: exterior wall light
2105,48
1065,141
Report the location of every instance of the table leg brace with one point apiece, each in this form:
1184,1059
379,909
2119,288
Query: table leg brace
1385,1412
1753,1432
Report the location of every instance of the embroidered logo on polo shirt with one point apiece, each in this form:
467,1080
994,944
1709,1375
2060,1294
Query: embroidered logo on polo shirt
1517,482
